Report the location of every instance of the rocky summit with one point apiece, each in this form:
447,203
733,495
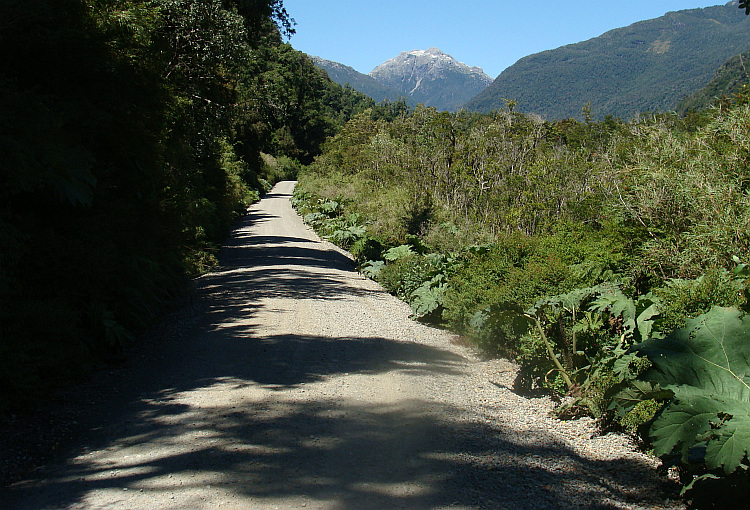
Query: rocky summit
432,77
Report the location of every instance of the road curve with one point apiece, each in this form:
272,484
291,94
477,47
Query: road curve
297,383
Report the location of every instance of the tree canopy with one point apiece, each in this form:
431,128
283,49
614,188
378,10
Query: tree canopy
132,134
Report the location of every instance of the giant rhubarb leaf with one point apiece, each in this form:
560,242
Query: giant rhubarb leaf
707,366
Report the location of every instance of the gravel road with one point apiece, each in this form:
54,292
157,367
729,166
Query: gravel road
293,382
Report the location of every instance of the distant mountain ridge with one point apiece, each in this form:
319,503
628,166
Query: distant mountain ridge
427,76
345,75
432,77
648,66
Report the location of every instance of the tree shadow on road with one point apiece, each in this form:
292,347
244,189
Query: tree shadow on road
326,451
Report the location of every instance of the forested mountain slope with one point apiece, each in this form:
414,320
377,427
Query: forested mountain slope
647,66
730,79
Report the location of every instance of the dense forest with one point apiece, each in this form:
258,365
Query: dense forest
132,134
608,258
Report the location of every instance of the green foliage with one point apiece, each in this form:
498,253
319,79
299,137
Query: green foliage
428,300
683,196
642,413
520,269
398,252
636,317
282,168
404,274
328,219
498,328
706,425
366,249
130,140
690,298
560,244
347,233
292,106
372,268
574,343
728,85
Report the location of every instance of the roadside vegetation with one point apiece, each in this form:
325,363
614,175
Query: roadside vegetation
133,133
608,258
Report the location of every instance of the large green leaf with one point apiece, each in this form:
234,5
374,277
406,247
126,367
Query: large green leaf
682,425
636,392
398,252
712,353
707,366
505,313
638,316
728,448
427,298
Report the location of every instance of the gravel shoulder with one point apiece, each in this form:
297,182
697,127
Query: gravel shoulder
291,381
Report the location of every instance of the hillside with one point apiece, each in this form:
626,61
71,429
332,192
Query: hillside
650,65
728,81
345,75
432,77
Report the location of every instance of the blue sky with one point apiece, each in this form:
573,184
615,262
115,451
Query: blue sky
485,33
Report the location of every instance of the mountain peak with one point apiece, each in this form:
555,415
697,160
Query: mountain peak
432,77
433,51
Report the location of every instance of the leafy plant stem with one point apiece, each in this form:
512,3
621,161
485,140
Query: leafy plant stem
551,352
574,342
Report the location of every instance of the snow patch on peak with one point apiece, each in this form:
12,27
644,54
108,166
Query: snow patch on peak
432,52
432,77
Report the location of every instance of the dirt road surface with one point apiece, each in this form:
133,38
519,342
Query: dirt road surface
294,382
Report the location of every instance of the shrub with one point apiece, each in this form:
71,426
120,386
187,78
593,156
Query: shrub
366,248
685,299
404,274
518,269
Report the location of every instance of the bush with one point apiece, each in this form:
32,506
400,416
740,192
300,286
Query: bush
404,275
685,299
366,248
518,269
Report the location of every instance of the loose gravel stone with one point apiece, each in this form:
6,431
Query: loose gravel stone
295,382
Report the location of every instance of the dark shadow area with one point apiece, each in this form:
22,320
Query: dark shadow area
319,449
290,360
326,450
277,195
245,250
272,240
